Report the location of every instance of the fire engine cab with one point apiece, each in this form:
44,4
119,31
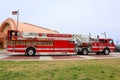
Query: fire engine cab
92,45
32,43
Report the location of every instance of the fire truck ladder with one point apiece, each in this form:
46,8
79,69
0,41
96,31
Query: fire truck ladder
79,39
47,35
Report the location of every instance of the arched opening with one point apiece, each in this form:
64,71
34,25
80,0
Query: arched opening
5,28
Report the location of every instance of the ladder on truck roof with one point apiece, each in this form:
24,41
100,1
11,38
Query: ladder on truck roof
79,39
74,37
47,35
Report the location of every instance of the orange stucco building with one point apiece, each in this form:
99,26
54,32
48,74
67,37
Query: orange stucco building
11,24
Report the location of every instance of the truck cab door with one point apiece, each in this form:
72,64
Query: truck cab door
102,44
111,45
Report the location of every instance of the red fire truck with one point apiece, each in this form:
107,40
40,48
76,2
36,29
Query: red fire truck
32,43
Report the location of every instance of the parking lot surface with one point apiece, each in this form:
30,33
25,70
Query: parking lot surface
4,55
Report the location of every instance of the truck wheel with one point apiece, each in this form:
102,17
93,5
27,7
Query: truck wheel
30,51
85,51
106,52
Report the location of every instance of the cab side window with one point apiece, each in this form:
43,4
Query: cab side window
111,42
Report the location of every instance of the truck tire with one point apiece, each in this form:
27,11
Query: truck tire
30,51
85,51
106,51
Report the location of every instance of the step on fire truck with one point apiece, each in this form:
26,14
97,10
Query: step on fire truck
32,43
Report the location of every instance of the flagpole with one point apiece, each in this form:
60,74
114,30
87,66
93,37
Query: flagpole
17,19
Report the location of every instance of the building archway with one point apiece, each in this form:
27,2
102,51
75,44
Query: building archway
8,24
6,27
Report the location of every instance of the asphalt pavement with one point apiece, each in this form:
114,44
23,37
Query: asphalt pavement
4,55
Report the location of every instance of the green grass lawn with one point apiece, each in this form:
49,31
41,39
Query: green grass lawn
108,69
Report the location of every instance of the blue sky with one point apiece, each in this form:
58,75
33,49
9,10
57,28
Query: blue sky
68,16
